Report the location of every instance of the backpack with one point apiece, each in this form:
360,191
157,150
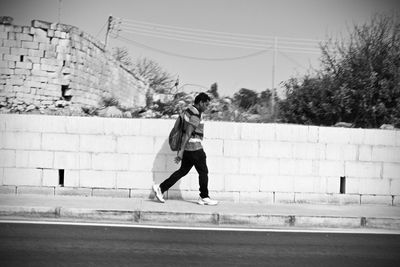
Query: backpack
176,134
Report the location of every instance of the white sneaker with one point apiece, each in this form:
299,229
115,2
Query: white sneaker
207,201
157,191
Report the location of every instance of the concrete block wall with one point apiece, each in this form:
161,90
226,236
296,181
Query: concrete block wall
46,62
269,163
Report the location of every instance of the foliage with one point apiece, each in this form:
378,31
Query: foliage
359,81
121,54
159,79
245,98
214,90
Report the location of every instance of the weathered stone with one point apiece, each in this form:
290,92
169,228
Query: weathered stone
112,112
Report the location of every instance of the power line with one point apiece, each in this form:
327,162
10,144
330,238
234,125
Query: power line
161,31
191,57
200,40
102,28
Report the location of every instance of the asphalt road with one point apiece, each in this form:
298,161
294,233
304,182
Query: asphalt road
71,245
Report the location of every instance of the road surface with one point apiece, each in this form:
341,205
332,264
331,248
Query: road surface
25,244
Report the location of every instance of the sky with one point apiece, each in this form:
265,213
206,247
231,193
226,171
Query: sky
253,44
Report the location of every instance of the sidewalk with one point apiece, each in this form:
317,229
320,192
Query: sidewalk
189,213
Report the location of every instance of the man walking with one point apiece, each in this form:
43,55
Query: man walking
191,152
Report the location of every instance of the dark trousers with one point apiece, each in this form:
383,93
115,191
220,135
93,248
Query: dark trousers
190,158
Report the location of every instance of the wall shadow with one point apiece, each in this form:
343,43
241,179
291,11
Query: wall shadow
162,169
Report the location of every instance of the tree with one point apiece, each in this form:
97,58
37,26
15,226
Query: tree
359,81
214,90
245,98
121,54
159,79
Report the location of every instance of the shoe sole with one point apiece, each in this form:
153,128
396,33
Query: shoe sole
155,192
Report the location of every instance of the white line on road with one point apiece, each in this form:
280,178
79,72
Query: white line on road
337,231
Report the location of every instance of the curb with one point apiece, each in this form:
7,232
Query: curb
201,219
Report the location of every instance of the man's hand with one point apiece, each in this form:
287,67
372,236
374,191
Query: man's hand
179,156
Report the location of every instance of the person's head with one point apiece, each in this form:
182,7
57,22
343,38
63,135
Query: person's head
202,101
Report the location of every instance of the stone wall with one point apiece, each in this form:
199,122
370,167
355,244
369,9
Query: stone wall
268,163
46,63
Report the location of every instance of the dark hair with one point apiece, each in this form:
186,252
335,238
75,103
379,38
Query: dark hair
202,97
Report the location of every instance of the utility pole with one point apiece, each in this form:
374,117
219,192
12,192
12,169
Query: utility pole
274,54
110,19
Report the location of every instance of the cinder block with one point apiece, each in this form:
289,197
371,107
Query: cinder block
331,168
386,154
375,186
284,198
135,144
263,166
223,165
72,191
308,151
23,65
21,140
222,130
147,162
275,149
341,152
295,167
137,180
213,147
8,189
309,185
13,176
258,131
50,177
395,187
71,178
330,135
363,169
364,153
332,184
97,179
85,125
396,200
292,133
243,148
97,143
276,183
7,158
380,137
353,185
397,138
216,182
376,199
35,159
85,161
35,190
110,162
30,45
66,160
242,183
122,126
391,170
161,146
60,142
156,127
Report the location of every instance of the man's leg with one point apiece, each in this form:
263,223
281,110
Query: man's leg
201,167
186,165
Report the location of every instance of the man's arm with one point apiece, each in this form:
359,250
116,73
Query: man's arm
185,139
